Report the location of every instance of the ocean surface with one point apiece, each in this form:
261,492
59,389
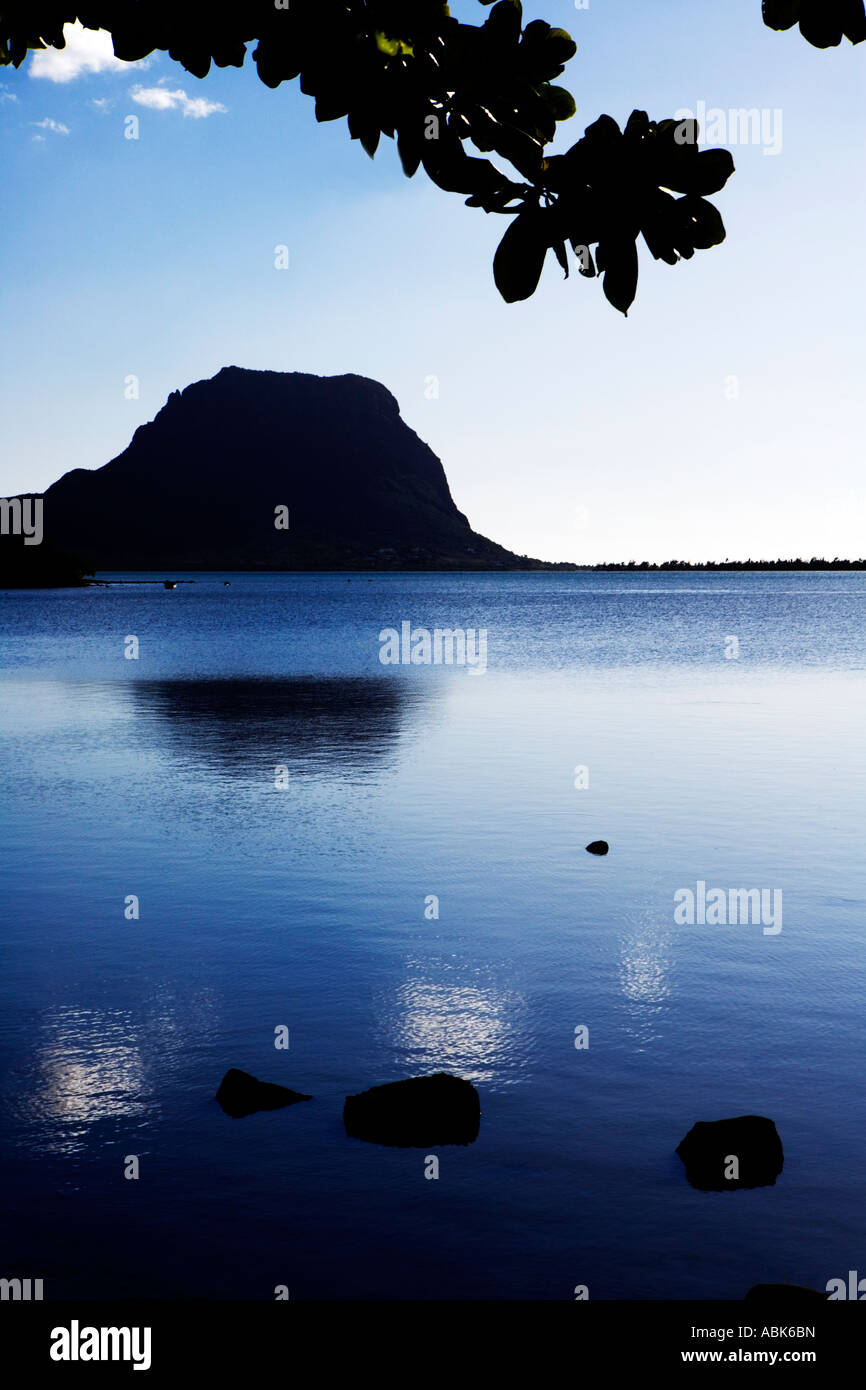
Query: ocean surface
285,809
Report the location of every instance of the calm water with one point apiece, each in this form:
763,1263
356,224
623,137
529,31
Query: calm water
305,906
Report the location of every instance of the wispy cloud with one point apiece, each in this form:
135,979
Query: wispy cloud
87,50
7,96
57,126
161,99
102,103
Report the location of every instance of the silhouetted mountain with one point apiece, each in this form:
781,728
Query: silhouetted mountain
200,485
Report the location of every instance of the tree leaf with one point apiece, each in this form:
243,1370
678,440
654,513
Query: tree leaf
520,255
618,259
560,101
713,168
393,48
780,14
559,252
409,145
705,222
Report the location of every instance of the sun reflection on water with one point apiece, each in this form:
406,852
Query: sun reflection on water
96,1065
88,1068
472,1031
644,975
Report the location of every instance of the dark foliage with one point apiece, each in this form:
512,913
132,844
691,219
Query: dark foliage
823,22
414,73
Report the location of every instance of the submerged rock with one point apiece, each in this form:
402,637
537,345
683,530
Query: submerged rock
240,1094
422,1112
783,1293
721,1155
598,847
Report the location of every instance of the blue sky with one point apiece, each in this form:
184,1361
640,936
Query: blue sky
724,417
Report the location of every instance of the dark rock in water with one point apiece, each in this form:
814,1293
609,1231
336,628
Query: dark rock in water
598,847
240,1094
709,1147
422,1112
783,1293
169,584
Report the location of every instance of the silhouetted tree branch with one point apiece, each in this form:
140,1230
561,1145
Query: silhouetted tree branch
823,22
409,70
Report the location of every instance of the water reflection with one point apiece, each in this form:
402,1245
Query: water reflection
95,1065
316,725
89,1067
644,974
471,1031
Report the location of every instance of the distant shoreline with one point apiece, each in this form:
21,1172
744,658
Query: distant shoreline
61,578
619,567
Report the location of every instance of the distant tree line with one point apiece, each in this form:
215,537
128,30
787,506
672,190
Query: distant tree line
813,564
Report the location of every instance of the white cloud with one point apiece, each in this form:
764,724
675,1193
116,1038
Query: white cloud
101,103
87,50
57,126
7,96
161,99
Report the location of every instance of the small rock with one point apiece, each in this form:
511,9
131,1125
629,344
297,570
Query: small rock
423,1112
783,1293
598,847
240,1094
709,1147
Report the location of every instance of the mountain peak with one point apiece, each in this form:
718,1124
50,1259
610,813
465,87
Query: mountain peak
200,485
